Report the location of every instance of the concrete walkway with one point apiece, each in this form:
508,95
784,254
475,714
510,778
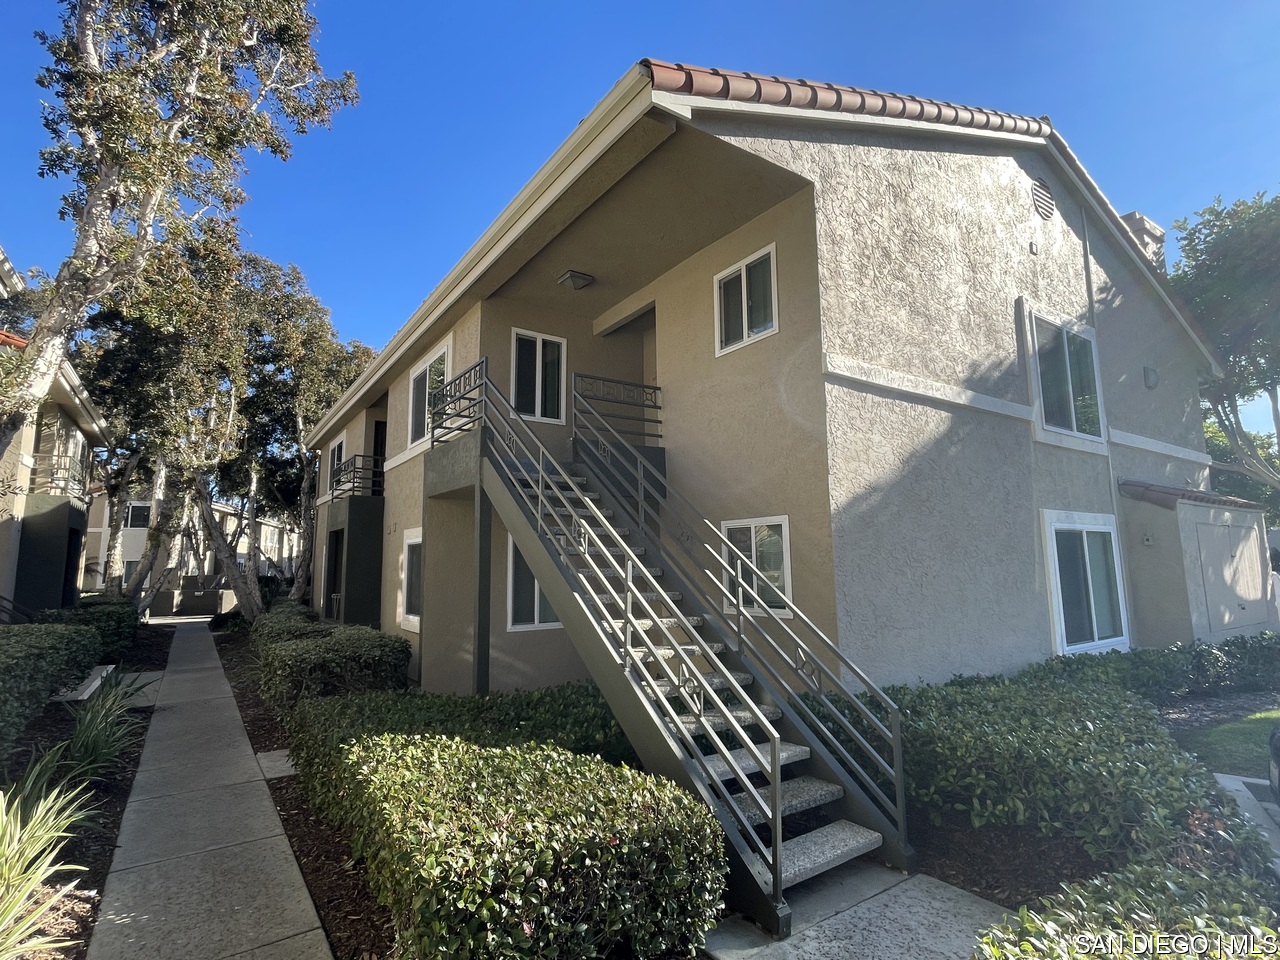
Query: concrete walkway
202,868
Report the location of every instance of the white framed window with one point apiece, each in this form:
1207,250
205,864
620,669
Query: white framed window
527,606
1086,585
766,542
130,568
137,515
411,580
538,365
1066,378
336,458
746,297
424,381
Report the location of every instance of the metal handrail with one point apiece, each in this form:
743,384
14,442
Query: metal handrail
15,612
624,393
809,672
539,480
358,476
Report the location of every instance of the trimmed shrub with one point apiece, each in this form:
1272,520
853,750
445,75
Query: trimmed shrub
347,660
115,620
286,620
527,851
227,620
37,660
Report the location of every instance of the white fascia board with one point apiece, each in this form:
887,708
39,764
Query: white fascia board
88,411
685,105
1107,214
629,100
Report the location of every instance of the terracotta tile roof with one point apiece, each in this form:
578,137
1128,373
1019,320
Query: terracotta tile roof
8,339
1166,496
779,91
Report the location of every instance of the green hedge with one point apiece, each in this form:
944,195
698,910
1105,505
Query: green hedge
347,660
286,620
37,660
115,620
527,851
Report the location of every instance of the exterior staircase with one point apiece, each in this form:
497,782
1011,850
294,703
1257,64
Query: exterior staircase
796,751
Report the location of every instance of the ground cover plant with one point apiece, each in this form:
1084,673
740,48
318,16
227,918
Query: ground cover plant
487,843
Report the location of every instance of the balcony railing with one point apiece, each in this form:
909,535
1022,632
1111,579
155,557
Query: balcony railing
58,476
357,477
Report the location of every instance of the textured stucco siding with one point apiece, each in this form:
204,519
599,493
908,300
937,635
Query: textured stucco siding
1157,568
930,254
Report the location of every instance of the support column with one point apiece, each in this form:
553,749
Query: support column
484,572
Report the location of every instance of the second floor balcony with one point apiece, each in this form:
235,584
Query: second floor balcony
357,477
58,476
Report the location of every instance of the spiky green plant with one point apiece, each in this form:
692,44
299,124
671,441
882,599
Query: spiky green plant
105,728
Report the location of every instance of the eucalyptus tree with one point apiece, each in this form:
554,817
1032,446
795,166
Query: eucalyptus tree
154,107
1229,277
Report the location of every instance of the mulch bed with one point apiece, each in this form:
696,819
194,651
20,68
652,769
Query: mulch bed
92,844
358,927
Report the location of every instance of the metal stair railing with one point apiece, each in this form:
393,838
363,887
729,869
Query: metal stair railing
538,479
12,612
800,668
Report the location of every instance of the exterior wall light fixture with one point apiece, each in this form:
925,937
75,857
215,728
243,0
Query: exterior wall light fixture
575,279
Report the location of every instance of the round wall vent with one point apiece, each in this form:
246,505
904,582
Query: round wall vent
1042,197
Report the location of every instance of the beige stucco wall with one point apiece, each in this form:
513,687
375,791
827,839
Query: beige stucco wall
925,258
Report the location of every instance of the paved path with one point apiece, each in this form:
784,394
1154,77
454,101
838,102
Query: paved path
202,868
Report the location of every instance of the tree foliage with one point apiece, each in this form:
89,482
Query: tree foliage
1229,277
154,107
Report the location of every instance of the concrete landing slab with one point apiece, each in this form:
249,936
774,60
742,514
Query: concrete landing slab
207,683
275,763
208,906
181,824
917,918
221,771
208,730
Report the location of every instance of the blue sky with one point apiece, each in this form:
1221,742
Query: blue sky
1167,104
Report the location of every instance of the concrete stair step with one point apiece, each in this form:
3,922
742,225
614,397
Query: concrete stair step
616,574
559,482
719,722
646,623
713,680
574,551
787,753
666,653
800,793
549,510
819,850
671,596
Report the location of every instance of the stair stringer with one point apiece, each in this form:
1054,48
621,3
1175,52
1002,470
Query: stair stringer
750,883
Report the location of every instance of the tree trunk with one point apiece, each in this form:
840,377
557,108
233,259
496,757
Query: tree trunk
248,596
161,531
307,531
113,562
174,559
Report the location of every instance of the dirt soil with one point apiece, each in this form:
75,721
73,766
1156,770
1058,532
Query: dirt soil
92,844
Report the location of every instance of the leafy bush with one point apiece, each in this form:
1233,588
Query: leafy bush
227,620
527,851
36,814
347,660
36,660
573,716
286,620
115,620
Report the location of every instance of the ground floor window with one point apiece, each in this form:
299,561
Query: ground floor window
411,584
766,543
527,606
1085,582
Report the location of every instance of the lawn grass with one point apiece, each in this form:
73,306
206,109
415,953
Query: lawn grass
1238,748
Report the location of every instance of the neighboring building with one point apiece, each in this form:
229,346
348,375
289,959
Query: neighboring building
198,568
923,389
42,524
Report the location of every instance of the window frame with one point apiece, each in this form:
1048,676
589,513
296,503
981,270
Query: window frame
1054,521
516,333
337,456
771,252
753,522
128,514
409,621
1045,431
538,624
443,348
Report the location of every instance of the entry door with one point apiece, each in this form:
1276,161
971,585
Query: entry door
333,577
1233,583
379,454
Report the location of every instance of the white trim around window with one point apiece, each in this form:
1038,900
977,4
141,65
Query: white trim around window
337,455
442,349
1073,407
1086,582
730,298
770,557
541,340
132,505
410,621
538,623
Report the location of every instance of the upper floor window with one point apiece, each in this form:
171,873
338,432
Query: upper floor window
766,543
538,375
746,301
423,385
1085,581
336,458
1068,376
138,515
